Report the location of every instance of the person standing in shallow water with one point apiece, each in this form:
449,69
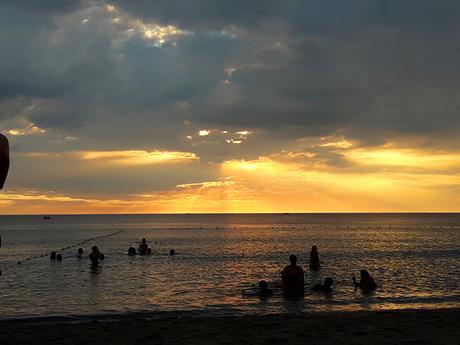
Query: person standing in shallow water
144,248
95,256
314,259
293,278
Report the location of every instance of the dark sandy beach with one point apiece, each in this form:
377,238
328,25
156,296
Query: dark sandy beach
389,327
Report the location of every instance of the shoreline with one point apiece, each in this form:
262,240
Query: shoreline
429,326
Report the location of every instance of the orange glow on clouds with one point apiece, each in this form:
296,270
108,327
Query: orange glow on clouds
384,179
134,157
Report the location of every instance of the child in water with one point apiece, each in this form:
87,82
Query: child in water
263,291
326,287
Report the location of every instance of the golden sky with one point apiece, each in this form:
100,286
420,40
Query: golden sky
271,106
382,179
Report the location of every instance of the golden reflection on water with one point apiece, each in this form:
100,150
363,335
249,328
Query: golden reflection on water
413,261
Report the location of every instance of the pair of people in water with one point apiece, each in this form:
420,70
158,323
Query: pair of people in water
94,256
293,279
293,275
142,250
54,256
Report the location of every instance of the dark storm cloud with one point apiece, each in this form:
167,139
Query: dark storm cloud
300,68
203,13
49,6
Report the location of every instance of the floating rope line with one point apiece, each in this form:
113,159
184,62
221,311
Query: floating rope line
60,250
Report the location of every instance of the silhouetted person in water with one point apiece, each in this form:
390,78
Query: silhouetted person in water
131,251
264,291
4,159
326,287
314,259
144,248
293,278
172,252
59,257
95,256
80,253
366,282
53,256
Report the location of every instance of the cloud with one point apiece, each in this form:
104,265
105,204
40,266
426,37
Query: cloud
138,157
319,85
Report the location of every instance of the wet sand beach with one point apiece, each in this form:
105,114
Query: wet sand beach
384,327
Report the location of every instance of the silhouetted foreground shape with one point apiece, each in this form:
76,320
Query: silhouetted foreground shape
4,159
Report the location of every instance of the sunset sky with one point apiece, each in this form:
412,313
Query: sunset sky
139,106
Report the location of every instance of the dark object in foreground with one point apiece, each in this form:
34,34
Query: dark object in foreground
433,327
4,159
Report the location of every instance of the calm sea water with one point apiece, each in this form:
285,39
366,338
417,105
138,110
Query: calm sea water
415,259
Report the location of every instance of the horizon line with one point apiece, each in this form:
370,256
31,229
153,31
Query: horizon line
228,213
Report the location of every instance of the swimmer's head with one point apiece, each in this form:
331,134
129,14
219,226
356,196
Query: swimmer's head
263,285
80,251
172,252
59,257
53,256
328,282
293,259
364,274
144,241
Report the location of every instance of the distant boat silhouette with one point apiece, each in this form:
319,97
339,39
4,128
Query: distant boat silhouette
46,217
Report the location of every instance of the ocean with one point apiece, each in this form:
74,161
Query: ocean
415,259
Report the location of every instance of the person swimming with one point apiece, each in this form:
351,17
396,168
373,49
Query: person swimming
293,277
172,252
131,251
95,256
366,283
264,290
59,257
53,256
326,287
144,248
80,253
314,259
